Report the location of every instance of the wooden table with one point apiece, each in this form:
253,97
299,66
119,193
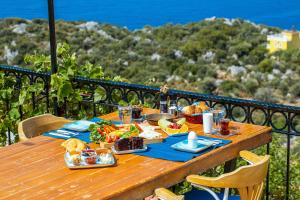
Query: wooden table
35,169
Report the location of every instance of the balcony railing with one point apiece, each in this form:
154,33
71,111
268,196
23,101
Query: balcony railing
248,111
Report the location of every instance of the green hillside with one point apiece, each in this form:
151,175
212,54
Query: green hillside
219,56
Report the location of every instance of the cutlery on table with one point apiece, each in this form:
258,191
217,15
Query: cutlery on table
66,132
213,141
60,135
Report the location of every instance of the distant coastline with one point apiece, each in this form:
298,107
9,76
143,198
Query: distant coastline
135,14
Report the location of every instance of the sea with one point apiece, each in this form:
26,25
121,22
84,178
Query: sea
135,14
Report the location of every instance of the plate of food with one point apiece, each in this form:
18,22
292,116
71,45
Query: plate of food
184,146
106,133
129,145
78,156
174,128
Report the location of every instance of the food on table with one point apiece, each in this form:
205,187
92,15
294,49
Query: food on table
106,158
164,123
88,153
106,131
189,110
192,140
184,128
192,136
173,127
193,113
181,121
90,157
76,160
132,143
203,106
74,146
153,119
197,108
150,134
91,160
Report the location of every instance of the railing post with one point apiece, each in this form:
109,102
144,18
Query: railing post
51,20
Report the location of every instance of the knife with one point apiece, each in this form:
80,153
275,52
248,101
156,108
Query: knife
213,141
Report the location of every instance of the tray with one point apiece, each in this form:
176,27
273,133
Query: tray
84,165
128,151
202,145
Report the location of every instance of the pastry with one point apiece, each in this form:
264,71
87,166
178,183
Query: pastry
73,146
189,110
76,159
203,106
198,109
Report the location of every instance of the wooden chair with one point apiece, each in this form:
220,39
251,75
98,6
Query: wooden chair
248,180
37,125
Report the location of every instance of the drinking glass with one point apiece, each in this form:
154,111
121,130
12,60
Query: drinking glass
125,113
224,124
218,115
137,114
207,122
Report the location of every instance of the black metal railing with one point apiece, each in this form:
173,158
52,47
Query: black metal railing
241,110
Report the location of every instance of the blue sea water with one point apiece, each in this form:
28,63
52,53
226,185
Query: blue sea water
137,13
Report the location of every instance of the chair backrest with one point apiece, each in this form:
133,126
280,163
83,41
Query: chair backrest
37,125
249,180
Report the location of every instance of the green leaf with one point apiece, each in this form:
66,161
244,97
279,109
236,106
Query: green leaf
22,97
14,113
64,90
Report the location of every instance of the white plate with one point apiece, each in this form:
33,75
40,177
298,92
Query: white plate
202,145
128,151
80,126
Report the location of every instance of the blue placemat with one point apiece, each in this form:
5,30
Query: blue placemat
84,136
164,151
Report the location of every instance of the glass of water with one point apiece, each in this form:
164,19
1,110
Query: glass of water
125,113
218,115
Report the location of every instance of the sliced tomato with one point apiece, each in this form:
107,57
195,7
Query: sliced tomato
115,138
100,131
108,139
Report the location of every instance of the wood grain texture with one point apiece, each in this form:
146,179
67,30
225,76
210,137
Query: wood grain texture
35,169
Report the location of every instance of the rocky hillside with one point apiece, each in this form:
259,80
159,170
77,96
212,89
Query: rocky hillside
219,56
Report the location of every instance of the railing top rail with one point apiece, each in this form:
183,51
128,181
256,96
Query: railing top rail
178,93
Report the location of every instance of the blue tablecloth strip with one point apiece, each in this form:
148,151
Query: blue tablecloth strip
84,136
164,151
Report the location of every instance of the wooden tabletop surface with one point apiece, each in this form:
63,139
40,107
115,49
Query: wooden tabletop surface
35,169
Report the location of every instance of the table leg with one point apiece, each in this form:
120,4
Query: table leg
229,166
